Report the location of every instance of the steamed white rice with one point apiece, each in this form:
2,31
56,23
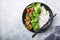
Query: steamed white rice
44,16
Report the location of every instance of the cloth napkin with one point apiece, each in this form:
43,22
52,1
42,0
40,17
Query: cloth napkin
55,35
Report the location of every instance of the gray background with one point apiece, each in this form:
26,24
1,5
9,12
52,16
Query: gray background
11,26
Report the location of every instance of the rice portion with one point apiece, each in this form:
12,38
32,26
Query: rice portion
44,16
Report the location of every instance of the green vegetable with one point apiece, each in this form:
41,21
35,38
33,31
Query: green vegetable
33,24
37,8
35,20
36,27
35,14
31,16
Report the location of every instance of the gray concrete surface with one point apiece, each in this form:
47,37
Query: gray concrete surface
11,26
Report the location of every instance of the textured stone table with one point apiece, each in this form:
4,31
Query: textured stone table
11,26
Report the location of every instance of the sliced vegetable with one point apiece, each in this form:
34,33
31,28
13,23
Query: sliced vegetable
37,8
36,27
35,14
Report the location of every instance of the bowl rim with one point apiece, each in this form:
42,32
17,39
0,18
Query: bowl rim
49,15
